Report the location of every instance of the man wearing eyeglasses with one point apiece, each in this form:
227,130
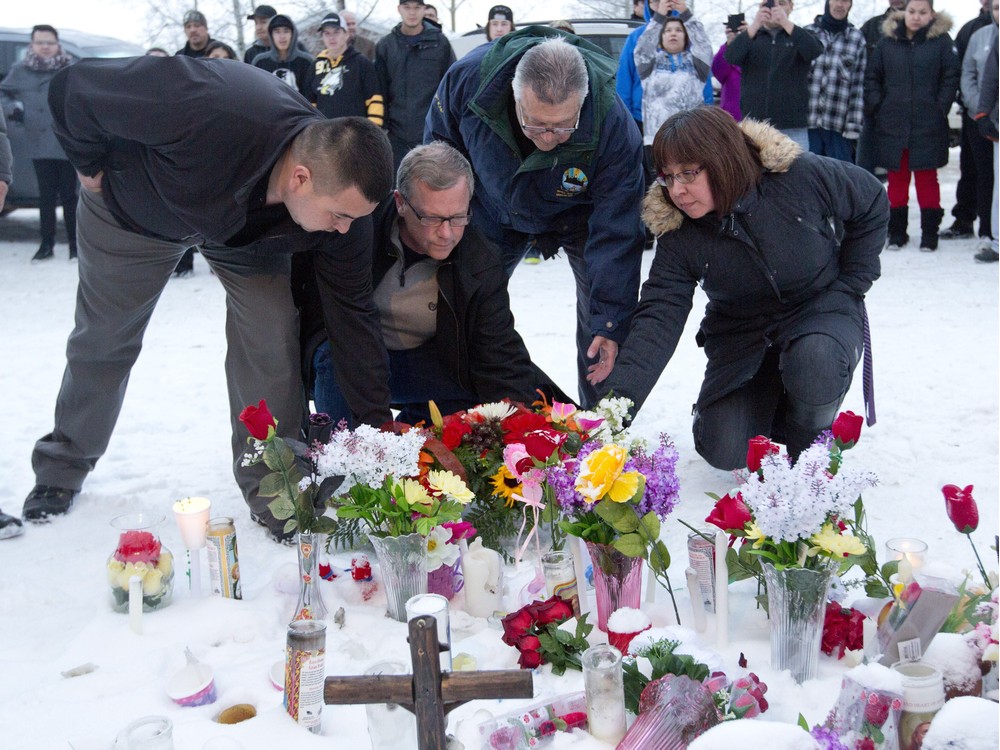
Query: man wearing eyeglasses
558,164
442,300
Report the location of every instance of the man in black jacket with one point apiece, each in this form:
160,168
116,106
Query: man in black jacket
410,62
261,17
441,292
196,31
257,175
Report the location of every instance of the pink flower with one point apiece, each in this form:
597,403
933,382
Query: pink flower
517,460
561,412
460,530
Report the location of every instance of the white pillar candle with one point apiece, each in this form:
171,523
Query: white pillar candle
192,519
135,604
436,606
721,590
694,592
482,570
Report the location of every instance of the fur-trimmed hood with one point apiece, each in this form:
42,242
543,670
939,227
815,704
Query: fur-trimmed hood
941,24
777,152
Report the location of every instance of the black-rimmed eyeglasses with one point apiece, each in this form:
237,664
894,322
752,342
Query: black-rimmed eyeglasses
436,221
684,178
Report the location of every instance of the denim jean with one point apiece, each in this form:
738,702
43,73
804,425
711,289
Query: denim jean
830,143
416,376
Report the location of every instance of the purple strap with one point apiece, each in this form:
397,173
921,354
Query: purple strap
867,375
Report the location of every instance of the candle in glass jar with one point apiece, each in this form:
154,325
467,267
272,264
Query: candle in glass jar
913,551
604,685
436,606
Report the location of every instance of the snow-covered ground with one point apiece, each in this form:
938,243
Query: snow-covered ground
934,320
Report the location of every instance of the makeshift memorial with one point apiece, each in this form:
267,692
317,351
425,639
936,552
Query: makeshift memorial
383,489
535,726
192,519
534,631
140,554
614,498
673,711
602,682
800,520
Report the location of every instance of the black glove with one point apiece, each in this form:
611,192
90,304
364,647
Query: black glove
16,114
986,127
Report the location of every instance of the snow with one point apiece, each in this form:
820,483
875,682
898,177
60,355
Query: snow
934,319
628,620
877,678
953,655
755,733
965,723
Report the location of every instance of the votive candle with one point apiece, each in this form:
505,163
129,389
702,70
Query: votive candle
604,684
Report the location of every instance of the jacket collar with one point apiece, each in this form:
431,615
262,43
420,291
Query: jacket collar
777,152
894,27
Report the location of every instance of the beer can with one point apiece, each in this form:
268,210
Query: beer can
701,554
223,558
305,672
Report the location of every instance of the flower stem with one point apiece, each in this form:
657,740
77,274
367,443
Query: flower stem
652,545
982,569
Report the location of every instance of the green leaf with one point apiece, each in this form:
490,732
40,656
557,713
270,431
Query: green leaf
271,485
803,723
876,734
563,636
630,545
659,558
281,508
618,515
290,525
652,525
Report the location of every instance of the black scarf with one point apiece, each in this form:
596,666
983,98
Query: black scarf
829,23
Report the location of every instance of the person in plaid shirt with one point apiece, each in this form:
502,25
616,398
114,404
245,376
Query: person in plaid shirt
836,83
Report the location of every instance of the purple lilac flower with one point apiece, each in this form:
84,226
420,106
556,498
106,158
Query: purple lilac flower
562,479
662,485
825,438
827,739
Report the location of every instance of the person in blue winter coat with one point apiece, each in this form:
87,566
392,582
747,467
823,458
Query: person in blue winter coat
558,164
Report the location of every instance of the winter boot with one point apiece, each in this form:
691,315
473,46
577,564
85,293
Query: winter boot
930,222
897,227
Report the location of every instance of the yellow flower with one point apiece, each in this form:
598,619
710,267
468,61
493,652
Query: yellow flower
601,475
505,485
831,540
152,583
415,493
451,485
755,535
165,564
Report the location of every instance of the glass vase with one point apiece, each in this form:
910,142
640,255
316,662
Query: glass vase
617,581
140,553
310,605
403,562
673,711
446,580
796,599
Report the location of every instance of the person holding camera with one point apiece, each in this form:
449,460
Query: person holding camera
673,58
726,74
775,56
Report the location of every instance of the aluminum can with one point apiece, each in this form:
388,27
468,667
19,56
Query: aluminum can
223,558
701,554
305,672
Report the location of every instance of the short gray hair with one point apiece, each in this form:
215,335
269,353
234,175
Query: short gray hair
438,165
554,70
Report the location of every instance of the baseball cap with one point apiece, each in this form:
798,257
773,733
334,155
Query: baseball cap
279,21
333,20
501,12
195,16
262,11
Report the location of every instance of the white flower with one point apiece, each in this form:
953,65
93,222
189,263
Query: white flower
439,551
367,456
614,412
790,503
497,410
450,485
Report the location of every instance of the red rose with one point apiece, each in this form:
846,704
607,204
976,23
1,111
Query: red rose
455,428
516,625
259,421
876,710
528,643
529,659
961,508
846,428
574,720
520,423
730,513
551,610
865,743
541,444
843,630
757,448
137,546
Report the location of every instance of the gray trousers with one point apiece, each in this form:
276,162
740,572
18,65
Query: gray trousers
122,275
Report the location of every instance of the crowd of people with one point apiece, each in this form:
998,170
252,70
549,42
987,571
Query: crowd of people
377,197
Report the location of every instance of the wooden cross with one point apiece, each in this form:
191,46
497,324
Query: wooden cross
428,694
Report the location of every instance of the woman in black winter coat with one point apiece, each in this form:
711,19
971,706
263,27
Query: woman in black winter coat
910,85
743,212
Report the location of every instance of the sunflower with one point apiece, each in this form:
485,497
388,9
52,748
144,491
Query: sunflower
505,485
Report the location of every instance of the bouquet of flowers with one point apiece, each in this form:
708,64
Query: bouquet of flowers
803,513
385,487
534,631
299,494
617,496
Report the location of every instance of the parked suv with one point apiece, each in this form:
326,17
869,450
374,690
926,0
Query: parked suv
607,33
13,47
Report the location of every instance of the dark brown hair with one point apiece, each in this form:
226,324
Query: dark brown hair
710,137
